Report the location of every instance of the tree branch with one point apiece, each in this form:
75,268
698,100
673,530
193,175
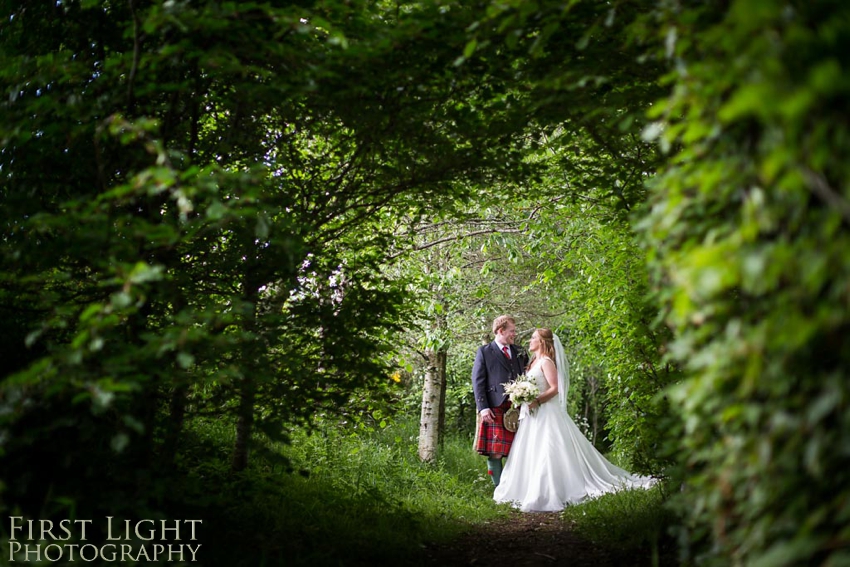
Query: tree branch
136,53
454,238
821,188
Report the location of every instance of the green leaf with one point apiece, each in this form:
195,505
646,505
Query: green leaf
120,442
185,359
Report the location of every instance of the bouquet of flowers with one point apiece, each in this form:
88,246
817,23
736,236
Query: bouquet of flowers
523,390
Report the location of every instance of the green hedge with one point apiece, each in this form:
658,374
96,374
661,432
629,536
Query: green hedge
747,233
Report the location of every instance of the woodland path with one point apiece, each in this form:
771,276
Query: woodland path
529,540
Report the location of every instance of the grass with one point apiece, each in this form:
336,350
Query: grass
355,499
384,465
627,522
363,498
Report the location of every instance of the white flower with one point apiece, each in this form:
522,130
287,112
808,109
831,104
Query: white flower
522,390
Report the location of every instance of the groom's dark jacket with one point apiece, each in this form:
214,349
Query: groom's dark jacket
491,370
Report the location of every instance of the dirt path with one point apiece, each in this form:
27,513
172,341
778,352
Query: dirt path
526,540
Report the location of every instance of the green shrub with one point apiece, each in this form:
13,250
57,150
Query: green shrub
352,494
627,522
747,233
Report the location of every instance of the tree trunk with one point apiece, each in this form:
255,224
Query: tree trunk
429,422
591,408
248,386
244,426
442,357
432,421
174,425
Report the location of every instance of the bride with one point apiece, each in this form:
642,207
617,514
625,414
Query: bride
552,463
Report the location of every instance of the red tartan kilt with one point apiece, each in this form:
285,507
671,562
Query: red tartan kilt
492,438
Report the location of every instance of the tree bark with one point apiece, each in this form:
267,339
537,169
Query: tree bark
247,387
429,422
244,426
432,421
591,408
174,425
442,358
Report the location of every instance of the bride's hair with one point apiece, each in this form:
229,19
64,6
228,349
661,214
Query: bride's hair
547,344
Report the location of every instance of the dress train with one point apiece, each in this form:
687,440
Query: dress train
552,464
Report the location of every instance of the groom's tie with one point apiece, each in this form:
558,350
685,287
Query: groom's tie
507,352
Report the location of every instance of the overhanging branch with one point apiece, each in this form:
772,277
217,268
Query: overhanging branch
454,238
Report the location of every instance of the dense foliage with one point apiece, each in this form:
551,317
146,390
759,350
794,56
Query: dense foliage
276,215
747,230
563,254
192,223
551,261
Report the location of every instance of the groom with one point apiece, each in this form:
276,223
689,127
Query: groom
495,364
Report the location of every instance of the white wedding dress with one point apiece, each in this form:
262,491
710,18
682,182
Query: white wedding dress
552,464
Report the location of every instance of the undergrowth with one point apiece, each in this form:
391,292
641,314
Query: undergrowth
347,496
627,523
333,497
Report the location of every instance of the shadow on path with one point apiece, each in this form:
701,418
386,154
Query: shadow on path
526,540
